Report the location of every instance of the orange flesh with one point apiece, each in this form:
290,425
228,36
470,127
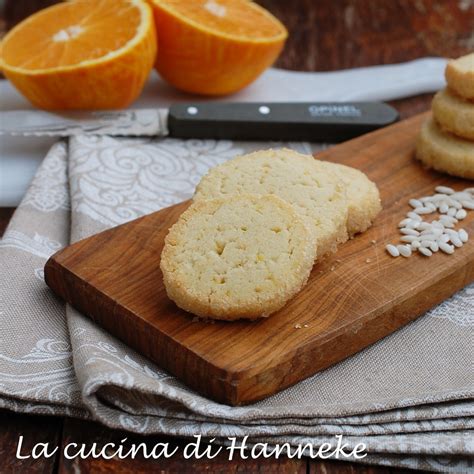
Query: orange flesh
238,18
71,33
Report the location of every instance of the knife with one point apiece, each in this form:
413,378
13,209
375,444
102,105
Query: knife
318,121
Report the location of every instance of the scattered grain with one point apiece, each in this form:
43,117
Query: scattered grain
439,234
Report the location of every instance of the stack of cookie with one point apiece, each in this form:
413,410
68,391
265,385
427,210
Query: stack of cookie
446,142
249,241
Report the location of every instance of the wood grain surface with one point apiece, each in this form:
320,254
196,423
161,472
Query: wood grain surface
429,27
34,429
352,298
329,35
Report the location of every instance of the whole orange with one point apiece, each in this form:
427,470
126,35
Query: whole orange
215,47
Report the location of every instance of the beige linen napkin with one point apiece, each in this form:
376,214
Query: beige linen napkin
408,397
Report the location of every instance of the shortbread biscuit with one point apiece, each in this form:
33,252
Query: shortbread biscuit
316,193
460,76
444,151
454,114
363,197
237,257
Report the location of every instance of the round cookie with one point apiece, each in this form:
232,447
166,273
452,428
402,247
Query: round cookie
460,76
237,257
445,152
454,114
316,193
363,197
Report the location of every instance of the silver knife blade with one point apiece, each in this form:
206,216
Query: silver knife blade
140,122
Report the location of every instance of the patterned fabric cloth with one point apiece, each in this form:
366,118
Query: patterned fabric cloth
408,397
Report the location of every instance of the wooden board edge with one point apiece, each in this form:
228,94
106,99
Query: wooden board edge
246,387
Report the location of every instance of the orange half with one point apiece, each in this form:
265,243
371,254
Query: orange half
82,54
215,47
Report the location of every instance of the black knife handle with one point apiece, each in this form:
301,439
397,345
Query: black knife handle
319,121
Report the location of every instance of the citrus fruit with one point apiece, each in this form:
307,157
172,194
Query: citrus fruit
82,54
215,47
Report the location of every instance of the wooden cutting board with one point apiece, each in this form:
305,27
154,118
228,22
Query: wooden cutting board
352,299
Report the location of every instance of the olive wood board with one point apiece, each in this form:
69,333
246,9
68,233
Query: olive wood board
353,298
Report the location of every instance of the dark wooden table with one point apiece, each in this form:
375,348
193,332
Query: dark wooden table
324,35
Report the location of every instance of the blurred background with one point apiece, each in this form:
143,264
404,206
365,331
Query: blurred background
327,35
336,34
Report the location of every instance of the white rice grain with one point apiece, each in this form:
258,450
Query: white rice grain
423,210
444,190
446,248
408,238
414,203
426,252
456,241
392,250
463,235
407,231
405,250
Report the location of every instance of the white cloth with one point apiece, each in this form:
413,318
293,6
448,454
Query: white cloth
20,157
